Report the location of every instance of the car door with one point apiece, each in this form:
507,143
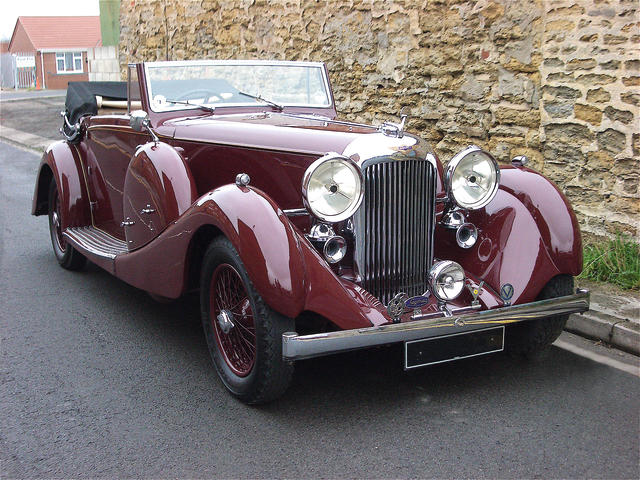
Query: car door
110,144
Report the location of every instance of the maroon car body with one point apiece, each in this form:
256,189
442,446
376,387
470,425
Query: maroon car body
146,201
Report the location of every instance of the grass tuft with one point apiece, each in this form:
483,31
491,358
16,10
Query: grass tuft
615,261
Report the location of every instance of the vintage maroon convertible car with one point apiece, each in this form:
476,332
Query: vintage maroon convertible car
305,235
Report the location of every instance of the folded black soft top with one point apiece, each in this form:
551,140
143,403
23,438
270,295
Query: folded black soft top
81,97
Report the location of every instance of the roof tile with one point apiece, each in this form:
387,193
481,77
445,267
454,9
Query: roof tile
62,32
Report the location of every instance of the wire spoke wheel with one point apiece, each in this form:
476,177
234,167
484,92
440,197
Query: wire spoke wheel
244,335
56,227
237,343
67,256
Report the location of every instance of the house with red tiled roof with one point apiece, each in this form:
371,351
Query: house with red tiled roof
59,45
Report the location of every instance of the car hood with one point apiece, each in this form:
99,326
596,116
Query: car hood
271,131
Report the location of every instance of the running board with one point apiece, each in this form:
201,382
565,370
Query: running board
96,242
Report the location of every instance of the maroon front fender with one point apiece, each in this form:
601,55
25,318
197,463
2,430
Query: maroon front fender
527,235
284,268
260,232
62,162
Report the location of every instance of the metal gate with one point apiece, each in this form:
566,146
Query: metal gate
25,70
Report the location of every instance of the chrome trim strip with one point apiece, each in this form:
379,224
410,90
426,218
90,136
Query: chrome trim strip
296,212
296,347
95,241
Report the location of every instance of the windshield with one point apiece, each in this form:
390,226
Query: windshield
226,83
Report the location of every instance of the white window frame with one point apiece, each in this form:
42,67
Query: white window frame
75,56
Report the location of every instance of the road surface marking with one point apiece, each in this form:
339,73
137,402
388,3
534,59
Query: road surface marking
596,357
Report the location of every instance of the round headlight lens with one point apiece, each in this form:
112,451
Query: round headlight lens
332,188
472,178
446,279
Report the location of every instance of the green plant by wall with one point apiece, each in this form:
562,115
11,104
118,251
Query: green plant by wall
616,261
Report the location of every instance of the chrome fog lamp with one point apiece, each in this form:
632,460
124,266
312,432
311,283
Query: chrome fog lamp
335,249
446,279
466,235
332,188
472,178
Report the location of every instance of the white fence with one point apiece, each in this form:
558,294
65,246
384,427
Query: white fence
18,70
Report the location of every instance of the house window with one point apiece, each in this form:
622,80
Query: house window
69,62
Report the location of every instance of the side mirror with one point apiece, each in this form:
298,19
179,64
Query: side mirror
139,120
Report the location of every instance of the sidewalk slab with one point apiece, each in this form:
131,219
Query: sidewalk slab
28,140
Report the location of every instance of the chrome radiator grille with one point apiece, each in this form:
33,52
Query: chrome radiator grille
394,228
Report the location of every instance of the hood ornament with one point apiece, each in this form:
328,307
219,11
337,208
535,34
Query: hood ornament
391,129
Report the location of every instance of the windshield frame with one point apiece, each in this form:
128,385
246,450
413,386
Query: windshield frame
181,63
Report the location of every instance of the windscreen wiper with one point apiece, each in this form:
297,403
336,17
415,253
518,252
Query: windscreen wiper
203,107
259,98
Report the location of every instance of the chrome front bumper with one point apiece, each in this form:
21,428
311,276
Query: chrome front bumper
296,347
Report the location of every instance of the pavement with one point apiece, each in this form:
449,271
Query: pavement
614,317
16,95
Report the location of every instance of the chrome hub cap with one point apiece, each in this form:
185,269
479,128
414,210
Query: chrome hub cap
225,320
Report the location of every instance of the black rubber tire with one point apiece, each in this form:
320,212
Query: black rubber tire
270,375
532,337
67,256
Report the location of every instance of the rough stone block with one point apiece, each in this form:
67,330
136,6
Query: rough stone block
614,39
599,95
631,81
610,65
559,109
581,64
588,113
590,79
612,141
623,116
630,98
561,92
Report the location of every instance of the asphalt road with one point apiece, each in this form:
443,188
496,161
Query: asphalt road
98,380
23,115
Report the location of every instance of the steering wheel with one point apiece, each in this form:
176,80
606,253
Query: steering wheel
201,93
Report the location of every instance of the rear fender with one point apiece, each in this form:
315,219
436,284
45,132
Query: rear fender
62,162
527,235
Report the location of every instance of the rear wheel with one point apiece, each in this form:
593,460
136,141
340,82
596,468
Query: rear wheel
67,256
244,334
530,337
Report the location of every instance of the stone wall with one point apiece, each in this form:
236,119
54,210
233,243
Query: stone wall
466,72
591,102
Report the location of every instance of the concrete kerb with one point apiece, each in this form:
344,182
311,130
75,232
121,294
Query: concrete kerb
614,317
26,140
16,95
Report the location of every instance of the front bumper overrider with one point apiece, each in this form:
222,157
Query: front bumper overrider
298,347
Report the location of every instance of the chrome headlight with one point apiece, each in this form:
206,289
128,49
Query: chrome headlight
332,188
472,178
446,279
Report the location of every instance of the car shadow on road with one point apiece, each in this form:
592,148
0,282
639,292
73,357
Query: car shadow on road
345,383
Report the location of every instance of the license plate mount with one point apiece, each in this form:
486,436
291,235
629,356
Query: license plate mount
455,346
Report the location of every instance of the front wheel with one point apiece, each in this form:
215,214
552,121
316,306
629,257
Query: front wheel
530,337
67,256
244,335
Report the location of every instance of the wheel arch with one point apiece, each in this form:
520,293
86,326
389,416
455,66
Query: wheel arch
527,235
63,163
198,245
41,195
